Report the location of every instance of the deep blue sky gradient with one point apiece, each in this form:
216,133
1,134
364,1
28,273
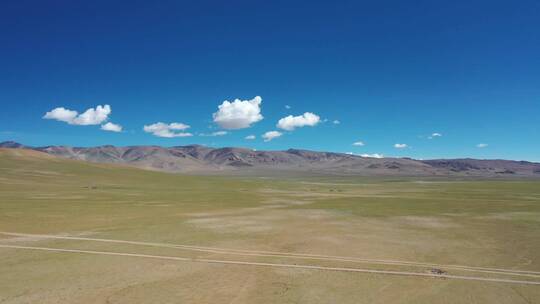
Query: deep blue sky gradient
390,71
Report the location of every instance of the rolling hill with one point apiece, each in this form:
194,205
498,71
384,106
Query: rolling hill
206,160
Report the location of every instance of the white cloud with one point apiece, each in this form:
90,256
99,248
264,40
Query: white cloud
161,129
111,127
358,143
433,135
89,117
400,146
217,133
374,155
336,122
61,114
290,122
250,137
178,126
220,133
238,114
481,145
93,116
268,136
288,107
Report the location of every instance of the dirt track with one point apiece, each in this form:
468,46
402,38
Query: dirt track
283,255
241,252
313,267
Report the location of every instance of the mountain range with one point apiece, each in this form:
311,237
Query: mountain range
205,160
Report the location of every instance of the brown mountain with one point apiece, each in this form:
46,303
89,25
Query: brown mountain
201,159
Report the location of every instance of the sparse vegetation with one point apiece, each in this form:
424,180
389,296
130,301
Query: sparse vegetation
480,223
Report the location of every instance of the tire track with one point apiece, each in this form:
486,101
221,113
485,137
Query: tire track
278,265
258,253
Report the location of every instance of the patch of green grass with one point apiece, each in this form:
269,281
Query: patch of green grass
48,195
437,198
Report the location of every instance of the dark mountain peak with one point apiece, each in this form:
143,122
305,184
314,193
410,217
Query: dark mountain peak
11,144
198,158
194,146
318,156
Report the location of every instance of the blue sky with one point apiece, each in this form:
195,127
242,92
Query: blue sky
391,72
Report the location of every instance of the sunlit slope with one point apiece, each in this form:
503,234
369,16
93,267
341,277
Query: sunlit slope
196,159
40,192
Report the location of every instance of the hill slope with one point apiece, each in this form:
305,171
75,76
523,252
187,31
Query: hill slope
200,159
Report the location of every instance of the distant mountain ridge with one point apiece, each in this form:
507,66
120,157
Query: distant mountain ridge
201,159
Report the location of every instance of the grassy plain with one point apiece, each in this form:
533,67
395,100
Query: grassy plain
479,223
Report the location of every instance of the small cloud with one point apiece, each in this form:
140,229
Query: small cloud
161,129
481,145
336,122
290,122
61,114
250,137
111,127
238,114
374,155
268,136
400,146
358,144
220,133
288,107
90,117
433,135
217,133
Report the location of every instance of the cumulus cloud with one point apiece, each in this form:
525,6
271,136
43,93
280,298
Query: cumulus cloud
400,146
161,129
481,145
111,127
268,136
89,117
288,107
250,137
336,122
238,114
61,114
93,116
358,144
290,122
374,155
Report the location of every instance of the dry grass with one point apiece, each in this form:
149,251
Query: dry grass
472,223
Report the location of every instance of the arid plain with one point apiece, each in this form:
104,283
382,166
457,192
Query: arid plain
75,232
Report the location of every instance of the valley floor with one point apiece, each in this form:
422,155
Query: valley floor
73,232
